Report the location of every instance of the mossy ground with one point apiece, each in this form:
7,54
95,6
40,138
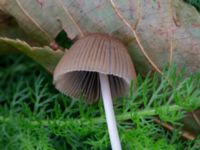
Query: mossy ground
34,115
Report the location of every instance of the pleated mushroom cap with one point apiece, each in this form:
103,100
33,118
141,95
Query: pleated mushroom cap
77,71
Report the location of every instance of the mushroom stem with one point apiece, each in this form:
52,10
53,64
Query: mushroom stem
110,116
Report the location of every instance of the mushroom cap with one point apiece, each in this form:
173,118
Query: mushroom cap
77,71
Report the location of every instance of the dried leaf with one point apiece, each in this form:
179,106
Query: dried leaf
169,30
10,29
41,23
43,55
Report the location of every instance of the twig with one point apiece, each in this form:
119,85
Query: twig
196,118
184,134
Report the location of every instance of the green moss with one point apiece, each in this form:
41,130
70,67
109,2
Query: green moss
34,115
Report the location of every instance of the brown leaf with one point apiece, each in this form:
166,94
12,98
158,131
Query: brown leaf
168,30
9,28
45,56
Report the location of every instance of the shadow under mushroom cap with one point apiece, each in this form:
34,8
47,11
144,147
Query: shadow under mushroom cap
77,71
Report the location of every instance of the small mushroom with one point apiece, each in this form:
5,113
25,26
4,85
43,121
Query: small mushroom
95,65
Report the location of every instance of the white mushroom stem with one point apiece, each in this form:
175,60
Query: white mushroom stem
110,116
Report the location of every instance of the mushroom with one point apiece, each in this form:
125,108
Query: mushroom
96,64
